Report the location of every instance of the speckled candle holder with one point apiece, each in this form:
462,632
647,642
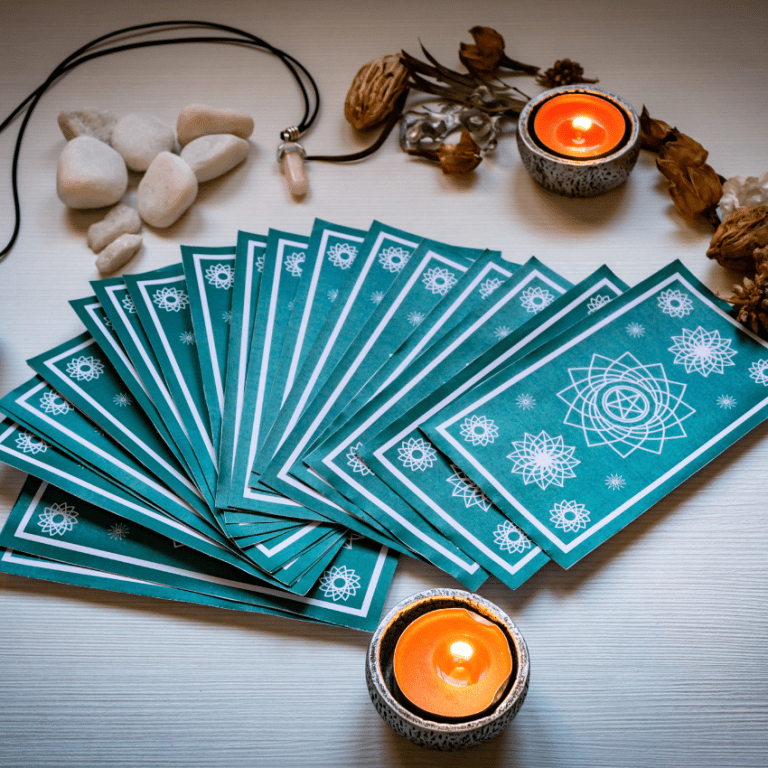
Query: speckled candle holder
578,177
380,676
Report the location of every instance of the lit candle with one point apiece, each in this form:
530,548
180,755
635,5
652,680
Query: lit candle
452,663
580,125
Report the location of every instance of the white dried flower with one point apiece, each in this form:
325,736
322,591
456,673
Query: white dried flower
739,192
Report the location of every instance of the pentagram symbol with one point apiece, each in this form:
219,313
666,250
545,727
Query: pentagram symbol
625,404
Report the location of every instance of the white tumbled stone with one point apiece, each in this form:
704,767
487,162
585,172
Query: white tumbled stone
119,252
140,138
168,188
211,156
90,121
90,174
121,220
201,120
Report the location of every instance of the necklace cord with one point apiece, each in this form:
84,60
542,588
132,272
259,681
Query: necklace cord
307,85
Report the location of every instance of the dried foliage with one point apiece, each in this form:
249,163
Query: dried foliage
487,54
454,159
653,133
738,239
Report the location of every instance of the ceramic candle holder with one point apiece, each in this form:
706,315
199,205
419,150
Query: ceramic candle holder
570,175
447,736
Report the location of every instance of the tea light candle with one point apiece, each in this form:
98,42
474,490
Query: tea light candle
580,125
452,663
578,141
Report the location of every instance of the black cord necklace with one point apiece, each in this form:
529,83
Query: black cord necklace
289,136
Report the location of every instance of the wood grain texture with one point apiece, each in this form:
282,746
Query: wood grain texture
650,652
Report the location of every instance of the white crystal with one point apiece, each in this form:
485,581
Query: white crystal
140,138
119,252
90,174
201,120
211,156
90,121
168,188
121,220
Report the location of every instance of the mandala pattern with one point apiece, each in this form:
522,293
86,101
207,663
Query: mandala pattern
758,372
333,294
600,300
625,404
377,297
122,400
525,402
415,318
58,519
260,263
342,255
479,430
354,461
226,316
170,299
393,259
535,299
220,275
489,286
118,532
615,482
339,583
352,537
84,368
28,443
726,401
702,351
635,330
54,403
501,332
570,516
416,454
510,538
293,262
438,280
543,460
465,489
675,303
128,305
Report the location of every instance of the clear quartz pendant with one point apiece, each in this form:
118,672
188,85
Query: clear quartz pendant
291,155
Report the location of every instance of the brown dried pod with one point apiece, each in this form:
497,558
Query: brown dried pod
739,239
564,72
374,92
751,300
683,150
459,158
487,54
696,192
653,133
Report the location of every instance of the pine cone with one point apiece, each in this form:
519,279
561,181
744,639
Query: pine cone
564,72
751,300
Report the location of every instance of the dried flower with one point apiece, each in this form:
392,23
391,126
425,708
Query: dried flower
564,72
487,54
696,191
739,192
739,237
453,158
653,133
681,150
375,91
751,297
460,158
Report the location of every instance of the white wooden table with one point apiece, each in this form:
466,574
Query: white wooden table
649,652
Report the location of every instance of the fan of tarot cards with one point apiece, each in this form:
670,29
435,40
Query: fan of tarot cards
268,426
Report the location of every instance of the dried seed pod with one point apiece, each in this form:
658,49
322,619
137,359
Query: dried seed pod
487,54
682,150
696,192
739,237
459,158
751,300
653,133
374,92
